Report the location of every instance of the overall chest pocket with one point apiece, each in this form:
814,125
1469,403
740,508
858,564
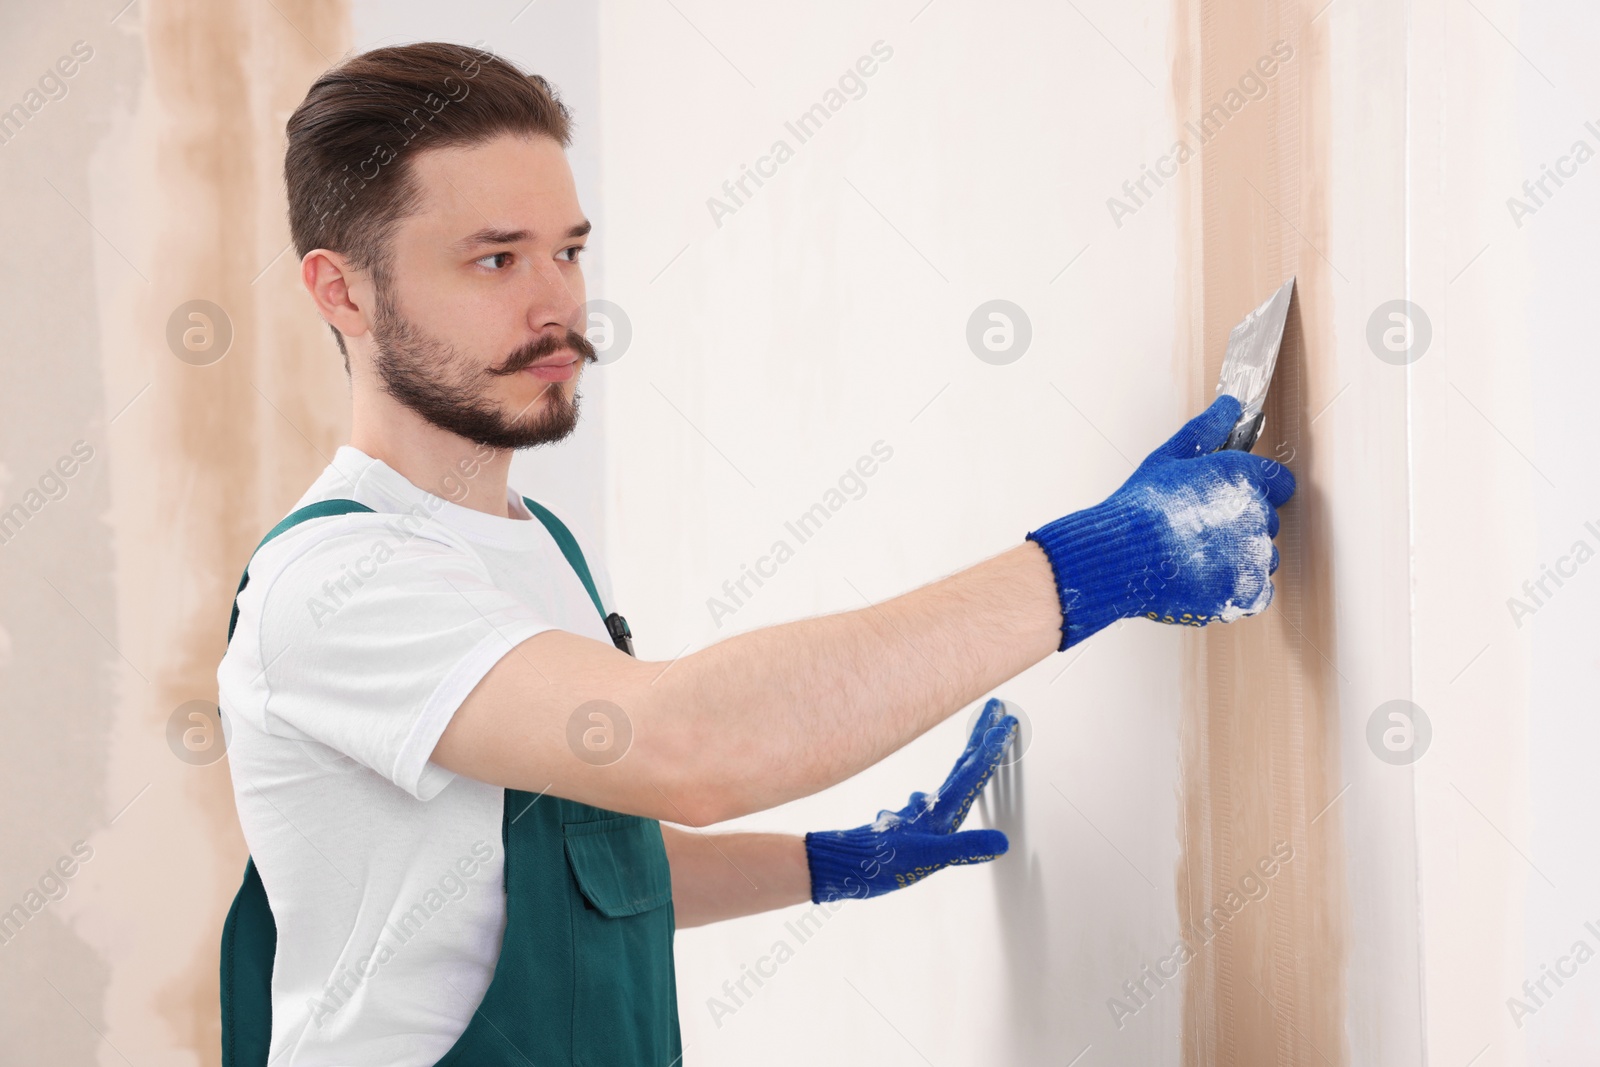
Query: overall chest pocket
624,997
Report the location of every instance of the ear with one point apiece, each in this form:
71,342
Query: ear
342,294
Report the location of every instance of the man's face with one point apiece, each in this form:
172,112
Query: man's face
478,326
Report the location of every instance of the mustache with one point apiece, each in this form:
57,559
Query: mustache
547,344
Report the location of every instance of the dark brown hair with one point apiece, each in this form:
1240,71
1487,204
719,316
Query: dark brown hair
353,138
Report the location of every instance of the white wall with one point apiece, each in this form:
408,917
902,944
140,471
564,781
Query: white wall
1367,424
1563,731
828,312
1502,485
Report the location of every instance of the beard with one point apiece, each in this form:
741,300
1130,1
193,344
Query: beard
433,379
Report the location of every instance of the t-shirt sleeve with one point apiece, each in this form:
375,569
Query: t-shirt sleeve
370,642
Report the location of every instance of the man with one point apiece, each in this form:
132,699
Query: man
451,772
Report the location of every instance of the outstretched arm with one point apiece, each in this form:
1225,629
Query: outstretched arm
763,717
785,711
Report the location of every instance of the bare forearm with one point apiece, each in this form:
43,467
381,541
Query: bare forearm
724,876
788,710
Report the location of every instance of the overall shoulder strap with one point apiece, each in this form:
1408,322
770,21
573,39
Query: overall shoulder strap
615,624
316,510
569,548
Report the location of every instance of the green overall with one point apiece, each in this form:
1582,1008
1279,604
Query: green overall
585,973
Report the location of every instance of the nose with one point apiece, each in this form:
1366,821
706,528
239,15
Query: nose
553,303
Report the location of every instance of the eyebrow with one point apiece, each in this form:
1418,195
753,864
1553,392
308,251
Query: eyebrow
491,236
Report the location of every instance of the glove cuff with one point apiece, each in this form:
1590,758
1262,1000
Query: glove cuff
843,863
1097,555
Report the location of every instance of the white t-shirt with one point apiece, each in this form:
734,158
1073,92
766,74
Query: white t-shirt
358,636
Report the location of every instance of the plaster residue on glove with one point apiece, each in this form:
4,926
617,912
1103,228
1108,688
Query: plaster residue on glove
887,819
1224,528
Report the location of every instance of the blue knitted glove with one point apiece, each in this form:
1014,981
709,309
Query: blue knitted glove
906,846
1186,540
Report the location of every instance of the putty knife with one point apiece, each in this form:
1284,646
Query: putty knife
1247,366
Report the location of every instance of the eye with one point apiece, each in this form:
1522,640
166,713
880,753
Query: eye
494,256
571,254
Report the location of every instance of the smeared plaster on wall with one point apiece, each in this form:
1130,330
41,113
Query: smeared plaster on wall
1260,746
201,463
